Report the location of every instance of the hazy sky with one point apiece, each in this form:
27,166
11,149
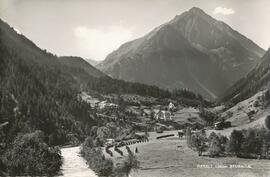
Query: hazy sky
94,28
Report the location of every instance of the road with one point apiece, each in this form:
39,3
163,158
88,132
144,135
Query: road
74,165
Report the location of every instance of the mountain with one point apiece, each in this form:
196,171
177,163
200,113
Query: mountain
192,51
258,79
38,91
80,68
92,62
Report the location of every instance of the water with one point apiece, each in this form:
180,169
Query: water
74,165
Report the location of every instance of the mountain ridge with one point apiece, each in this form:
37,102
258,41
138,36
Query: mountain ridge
256,80
185,40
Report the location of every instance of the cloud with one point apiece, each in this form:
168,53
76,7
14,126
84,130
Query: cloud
97,43
224,11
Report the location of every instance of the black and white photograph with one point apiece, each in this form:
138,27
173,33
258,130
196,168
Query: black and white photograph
135,88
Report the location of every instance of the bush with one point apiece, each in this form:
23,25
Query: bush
108,151
266,98
97,162
188,137
208,116
214,145
95,158
252,143
29,155
164,136
198,142
235,142
223,141
105,167
267,122
130,163
118,150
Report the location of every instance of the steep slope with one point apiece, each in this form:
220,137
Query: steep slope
255,81
192,51
37,92
80,69
92,62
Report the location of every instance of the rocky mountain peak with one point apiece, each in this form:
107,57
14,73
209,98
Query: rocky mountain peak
194,13
197,11
192,51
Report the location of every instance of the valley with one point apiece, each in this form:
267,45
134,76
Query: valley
171,157
190,98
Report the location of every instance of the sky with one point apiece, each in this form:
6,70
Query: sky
94,28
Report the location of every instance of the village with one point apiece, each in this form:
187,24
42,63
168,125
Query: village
154,116
160,141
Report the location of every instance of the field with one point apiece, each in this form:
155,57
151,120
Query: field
170,157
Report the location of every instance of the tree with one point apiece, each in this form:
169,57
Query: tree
130,163
113,129
208,116
188,137
266,98
251,144
30,155
103,133
198,142
264,138
267,122
214,145
223,140
235,142
93,131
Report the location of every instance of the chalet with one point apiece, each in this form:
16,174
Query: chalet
88,99
163,115
109,142
220,125
105,104
171,107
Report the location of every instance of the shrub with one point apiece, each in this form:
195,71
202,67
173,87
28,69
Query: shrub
108,151
251,144
235,142
103,133
95,158
223,141
105,167
29,155
130,163
188,137
118,150
266,98
164,136
97,162
256,103
214,145
267,122
198,142
208,116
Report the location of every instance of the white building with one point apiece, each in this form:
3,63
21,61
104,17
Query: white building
163,115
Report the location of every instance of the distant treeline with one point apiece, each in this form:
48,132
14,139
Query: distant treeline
107,85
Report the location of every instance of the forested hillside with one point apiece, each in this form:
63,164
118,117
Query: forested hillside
40,107
36,93
255,81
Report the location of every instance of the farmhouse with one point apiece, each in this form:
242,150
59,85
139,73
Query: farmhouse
163,115
105,104
109,142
